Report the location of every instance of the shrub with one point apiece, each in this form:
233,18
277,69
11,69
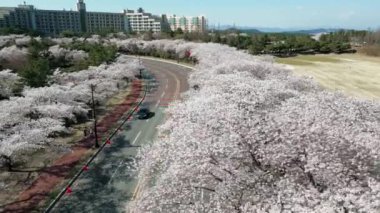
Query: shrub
372,50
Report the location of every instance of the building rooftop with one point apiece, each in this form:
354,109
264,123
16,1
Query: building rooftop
26,6
5,10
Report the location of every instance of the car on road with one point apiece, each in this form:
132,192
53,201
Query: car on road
144,113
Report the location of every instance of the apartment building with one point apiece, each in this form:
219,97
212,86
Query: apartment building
53,22
142,22
188,24
20,17
97,21
49,22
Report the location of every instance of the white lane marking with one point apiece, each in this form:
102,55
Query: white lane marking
166,87
134,141
114,173
158,103
147,120
137,189
163,94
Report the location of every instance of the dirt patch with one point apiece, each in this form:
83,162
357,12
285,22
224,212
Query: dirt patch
44,181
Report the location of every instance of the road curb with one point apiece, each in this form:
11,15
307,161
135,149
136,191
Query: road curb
163,60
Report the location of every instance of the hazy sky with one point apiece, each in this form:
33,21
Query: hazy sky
358,14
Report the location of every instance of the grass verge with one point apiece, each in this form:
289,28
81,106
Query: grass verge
354,74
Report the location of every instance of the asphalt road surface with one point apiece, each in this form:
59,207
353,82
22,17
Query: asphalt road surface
110,181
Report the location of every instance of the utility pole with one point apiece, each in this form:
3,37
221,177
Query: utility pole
94,116
140,69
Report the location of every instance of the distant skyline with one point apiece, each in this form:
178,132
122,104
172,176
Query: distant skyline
289,14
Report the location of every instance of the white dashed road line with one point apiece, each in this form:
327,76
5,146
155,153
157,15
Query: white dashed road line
114,173
158,103
134,141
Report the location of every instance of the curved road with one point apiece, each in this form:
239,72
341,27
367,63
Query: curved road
110,183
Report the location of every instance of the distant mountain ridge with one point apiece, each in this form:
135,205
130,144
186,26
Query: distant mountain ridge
316,31
279,30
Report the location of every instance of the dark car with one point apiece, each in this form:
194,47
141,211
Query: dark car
144,113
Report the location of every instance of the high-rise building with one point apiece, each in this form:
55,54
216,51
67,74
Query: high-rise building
165,26
139,21
53,22
81,7
188,24
22,16
97,21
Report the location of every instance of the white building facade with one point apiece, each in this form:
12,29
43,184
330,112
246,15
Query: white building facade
54,22
188,24
142,22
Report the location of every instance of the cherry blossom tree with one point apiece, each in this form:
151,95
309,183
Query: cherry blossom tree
8,83
94,39
62,41
9,39
33,121
27,136
108,78
4,41
24,41
254,138
76,55
12,57
250,136
69,55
